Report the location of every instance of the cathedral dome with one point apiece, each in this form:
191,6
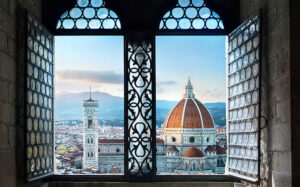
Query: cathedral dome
172,148
193,152
210,149
189,112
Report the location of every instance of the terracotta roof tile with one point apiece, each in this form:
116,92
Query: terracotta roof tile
221,150
172,148
210,148
191,116
193,152
176,116
206,117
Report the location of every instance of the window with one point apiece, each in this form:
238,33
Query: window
140,84
190,102
89,14
90,123
89,101
191,15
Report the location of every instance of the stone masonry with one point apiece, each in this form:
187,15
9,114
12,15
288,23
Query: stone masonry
276,168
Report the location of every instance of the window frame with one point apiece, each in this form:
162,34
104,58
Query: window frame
155,178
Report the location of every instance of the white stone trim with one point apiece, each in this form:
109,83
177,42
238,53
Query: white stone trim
183,112
171,111
209,114
202,124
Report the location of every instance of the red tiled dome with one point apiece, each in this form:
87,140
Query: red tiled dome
172,148
221,150
193,152
210,148
189,113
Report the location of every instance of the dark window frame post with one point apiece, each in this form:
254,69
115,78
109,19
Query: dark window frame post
139,107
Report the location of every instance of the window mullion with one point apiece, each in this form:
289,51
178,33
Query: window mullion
139,107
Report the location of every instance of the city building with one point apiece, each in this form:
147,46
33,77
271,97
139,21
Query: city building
90,133
188,144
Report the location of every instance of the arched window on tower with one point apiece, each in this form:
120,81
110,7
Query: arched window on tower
90,123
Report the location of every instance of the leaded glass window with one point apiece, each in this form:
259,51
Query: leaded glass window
89,14
39,100
244,100
191,15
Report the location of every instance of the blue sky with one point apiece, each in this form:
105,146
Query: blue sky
98,61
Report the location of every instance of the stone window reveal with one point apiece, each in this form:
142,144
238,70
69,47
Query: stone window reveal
140,142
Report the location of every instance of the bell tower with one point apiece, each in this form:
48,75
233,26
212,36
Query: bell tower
90,133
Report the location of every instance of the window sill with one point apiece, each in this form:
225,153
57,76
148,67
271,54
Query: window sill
162,178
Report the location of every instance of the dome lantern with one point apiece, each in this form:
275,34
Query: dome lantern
189,112
189,90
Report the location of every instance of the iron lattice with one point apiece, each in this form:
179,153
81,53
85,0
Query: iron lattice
140,127
244,100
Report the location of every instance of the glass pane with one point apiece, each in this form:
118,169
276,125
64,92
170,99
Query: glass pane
88,14
246,79
89,124
191,15
191,105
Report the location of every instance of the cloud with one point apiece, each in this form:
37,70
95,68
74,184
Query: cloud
89,76
215,93
168,83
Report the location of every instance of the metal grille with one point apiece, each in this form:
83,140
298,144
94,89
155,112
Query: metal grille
243,103
140,125
89,14
39,100
192,15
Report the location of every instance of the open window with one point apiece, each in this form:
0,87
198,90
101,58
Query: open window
187,17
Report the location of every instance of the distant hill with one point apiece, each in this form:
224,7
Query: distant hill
68,106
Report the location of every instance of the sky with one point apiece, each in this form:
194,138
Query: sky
97,61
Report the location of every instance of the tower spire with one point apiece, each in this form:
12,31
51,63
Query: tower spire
189,90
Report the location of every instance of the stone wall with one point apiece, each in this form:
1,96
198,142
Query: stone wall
276,146
12,55
276,97
295,88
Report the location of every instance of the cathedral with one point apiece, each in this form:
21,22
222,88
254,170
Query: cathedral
188,144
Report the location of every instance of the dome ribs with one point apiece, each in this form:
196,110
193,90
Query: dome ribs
191,116
189,113
175,118
206,117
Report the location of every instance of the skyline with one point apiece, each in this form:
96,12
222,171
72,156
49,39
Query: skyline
201,63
